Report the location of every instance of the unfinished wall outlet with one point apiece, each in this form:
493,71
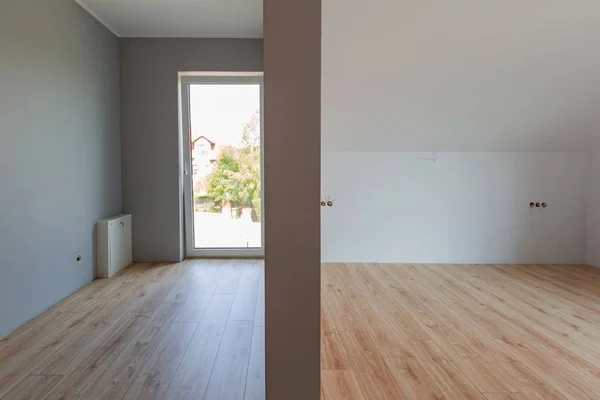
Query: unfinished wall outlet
538,204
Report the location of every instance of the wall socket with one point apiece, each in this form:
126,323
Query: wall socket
538,204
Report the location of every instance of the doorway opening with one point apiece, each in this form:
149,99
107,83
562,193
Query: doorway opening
222,125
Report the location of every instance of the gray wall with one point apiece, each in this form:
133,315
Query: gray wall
593,210
150,131
292,144
59,151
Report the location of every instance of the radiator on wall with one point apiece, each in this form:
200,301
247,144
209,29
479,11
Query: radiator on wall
114,245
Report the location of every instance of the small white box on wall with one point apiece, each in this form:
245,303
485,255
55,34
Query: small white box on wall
114,245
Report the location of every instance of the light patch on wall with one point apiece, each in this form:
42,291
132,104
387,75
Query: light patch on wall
516,75
463,208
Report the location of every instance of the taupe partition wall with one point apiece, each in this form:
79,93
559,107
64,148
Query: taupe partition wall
292,139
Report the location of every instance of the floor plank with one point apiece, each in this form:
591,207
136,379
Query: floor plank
341,311
341,385
22,364
244,305
447,376
505,396
115,381
194,308
333,353
83,372
195,330
231,278
372,373
526,382
255,382
259,313
31,333
228,377
192,376
155,376
33,387
414,381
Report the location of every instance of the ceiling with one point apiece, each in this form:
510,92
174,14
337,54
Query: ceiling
414,75
179,18
462,75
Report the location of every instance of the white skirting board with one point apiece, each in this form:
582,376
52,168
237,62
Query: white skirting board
114,245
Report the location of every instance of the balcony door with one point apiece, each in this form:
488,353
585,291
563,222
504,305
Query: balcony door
222,124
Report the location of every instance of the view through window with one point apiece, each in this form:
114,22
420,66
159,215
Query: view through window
225,132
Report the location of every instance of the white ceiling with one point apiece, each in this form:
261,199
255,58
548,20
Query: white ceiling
461,75
179,18
414,75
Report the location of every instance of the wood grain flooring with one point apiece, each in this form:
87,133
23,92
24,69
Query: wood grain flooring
451,332
195,330
176,331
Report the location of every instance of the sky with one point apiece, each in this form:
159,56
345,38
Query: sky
219,112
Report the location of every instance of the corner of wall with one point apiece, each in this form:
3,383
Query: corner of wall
592,248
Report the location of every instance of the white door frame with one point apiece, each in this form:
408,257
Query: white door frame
185,80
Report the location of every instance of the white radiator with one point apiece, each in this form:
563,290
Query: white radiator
114,245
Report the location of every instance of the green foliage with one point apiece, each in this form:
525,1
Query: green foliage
257,206
222,183
199,187
206,204
236,177
251,132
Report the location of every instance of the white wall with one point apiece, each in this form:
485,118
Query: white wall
464,208
462,75
593,212
508,90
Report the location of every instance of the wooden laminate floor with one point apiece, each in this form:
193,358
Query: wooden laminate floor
460,332
195,330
